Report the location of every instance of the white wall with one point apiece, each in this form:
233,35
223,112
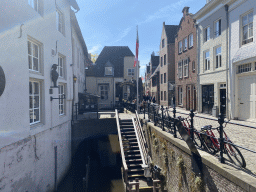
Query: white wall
30,165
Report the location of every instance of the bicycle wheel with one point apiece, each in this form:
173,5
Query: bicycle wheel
197,140
235,155
210,147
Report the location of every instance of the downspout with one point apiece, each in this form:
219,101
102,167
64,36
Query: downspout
198,68
227,64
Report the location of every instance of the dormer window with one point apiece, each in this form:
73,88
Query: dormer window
108,70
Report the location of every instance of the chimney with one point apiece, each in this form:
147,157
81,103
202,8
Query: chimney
185,11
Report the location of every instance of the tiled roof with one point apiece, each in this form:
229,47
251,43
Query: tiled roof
113,54
171,31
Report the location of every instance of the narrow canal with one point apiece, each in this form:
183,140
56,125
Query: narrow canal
104,167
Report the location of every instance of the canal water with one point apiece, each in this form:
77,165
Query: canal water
104,167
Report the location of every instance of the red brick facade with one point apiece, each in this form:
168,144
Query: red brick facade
185,63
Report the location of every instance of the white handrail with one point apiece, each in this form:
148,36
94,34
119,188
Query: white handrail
121,146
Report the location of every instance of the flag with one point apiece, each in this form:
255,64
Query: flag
137,49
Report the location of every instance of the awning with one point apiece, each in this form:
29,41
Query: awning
244,53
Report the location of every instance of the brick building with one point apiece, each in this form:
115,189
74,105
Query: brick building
185,62
167,63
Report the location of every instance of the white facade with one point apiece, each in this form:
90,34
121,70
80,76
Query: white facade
242,59
212,38
35,131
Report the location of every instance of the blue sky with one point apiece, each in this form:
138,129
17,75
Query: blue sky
113,23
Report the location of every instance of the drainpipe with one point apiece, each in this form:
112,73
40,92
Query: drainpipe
198,69
227,63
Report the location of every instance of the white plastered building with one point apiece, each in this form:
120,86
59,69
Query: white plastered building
35,130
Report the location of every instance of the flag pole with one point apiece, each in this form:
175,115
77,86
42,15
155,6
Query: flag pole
137,80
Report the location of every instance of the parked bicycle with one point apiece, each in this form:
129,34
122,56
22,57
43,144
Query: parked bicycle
213,145
186,124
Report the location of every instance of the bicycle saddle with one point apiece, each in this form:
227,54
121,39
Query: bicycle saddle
180,118
206,127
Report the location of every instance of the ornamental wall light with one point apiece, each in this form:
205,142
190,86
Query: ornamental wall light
74,78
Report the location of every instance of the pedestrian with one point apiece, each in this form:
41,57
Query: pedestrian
154,99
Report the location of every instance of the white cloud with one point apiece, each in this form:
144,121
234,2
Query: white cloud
95,49
165,11
123,34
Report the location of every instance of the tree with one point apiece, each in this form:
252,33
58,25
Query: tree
94,57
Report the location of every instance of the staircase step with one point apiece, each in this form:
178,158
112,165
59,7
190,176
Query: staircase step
127,132
132,151
137,171
133,161
133,157
134,166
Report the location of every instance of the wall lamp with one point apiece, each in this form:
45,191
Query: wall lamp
74,78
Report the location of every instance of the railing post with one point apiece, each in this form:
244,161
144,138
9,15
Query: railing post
76,110
154,111
97,110
162,108
221,139
144,105
148,109
137,185
174,116
192,124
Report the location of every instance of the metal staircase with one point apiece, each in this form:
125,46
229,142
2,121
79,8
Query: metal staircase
134,155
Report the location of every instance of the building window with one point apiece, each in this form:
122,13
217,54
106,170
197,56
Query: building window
185,44
193,66
161,95
161,78
217,31
180,99
247,27
131,72
164,95
180,46
103,92
164,77
190,39
207,33
108,70
60,21
61,100
61,66
180,70
34,101
207,60
33,4
165,59
162,43
244,68
218,57
161,61
33,56
185,68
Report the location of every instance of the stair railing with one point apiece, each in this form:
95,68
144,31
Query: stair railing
141,139
125,167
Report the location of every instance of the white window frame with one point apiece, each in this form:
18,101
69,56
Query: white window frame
206,61
109,71
243,68
32,96
131,72
103,89
217,28
190,40
62,103
185,43
248,26
34,54
180,46
218,60
207,33
60,21
61,66
180,69
185,68
33,4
